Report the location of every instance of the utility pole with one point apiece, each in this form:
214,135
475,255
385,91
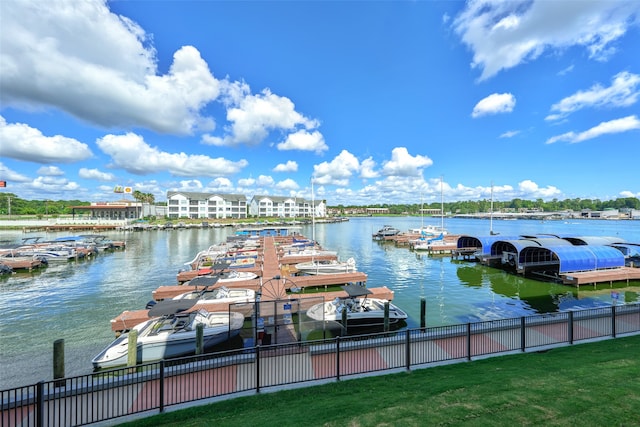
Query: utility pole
9,206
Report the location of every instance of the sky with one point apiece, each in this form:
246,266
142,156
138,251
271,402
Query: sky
352,102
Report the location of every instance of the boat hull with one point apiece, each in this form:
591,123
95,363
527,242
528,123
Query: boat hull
153,347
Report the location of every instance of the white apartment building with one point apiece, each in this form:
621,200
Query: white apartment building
184,204
286,207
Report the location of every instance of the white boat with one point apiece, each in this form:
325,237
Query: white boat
429,244
310,252
221,295
326,267
171,335
360,310
386,231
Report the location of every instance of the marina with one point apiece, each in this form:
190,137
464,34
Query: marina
80,298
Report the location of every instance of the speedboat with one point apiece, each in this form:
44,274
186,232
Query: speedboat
326,266
172,334
360,310
221,295
386,231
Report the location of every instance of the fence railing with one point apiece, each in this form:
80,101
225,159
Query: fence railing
152,387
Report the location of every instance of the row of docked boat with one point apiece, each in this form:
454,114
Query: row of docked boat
222,296
35,252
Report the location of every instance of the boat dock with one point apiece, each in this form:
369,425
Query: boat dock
274,282
601,276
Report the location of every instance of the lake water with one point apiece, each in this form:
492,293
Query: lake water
77,300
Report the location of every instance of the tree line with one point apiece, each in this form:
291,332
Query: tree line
14,205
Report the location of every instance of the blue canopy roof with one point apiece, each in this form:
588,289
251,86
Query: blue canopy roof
483,243
574,258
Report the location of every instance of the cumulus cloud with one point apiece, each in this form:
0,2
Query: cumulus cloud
503,35
127,150
404,164
623,92
338,171
50,171
304,141
10,175
531,189
494,104
253,117
287,184
624,124
22,142
108,76
290,166
96,174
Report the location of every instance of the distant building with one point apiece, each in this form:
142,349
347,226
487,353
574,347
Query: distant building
194,205
286,207
378,211
118,210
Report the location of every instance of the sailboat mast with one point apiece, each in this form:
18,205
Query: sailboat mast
441,206
491,212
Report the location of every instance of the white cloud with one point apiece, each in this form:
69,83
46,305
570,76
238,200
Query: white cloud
623,92
287,184
505,34
367,169
624,124
304,141
290,166
254,117
131,153
265,181
50,171
494,104
532,190
404,164
107,76
338,171
95,174
22,142
510,134
10,175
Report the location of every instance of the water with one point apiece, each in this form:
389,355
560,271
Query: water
77,300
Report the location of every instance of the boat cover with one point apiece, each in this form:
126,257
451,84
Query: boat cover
356,290
167,307
483,243
203,281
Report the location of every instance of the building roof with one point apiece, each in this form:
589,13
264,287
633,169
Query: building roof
192,195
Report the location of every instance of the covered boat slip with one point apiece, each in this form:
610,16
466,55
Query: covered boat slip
569,259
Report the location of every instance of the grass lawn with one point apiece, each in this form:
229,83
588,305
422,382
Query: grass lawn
593,384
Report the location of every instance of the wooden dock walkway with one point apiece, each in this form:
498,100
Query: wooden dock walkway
623,274
273,283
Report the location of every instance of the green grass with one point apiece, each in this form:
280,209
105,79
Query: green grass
594,384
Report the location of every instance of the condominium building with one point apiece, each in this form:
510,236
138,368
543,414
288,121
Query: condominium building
185,204
286,207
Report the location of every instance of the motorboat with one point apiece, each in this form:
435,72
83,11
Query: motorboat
424,244
309,252
219,295
360,310
386,231
326,266
172,334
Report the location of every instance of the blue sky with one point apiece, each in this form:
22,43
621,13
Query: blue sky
376,101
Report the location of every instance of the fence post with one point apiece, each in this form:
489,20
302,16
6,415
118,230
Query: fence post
161,387
423,313
40,404
469,341
408,349
257,369
570,327
523,334
613,321
338,358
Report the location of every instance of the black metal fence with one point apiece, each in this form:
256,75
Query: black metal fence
152,387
